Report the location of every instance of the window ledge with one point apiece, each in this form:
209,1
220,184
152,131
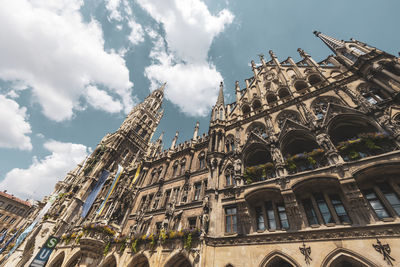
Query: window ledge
330,224
314,225
390,219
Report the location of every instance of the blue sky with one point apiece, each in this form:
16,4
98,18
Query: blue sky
71,70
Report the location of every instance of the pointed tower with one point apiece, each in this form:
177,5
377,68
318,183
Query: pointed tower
374,65
218,112
347,52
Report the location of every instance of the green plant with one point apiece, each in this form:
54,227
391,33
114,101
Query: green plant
134,246
188,241
107,248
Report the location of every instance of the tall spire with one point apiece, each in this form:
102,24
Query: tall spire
220,100
332,43
162,87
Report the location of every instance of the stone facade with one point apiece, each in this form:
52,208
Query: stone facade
301,170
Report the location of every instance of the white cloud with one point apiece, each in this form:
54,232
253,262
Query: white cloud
184,81
14,128
101,100
113,6
137,34
40,177
190,29
51,49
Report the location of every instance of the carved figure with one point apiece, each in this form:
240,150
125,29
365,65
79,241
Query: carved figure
324,141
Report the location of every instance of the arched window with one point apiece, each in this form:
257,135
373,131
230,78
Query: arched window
314,79
300,85
256,104
271,98
229,178
287,114
257,128
221,114
175,168
230,143
246,109
183,166
320,105
202,160
144,118
150,122
283,93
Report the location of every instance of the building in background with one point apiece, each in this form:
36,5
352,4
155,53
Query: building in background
301,170
13,211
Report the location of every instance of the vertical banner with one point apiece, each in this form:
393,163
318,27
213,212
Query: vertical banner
92,196
119,172
136,176
3,236
44,253
24,234
9,241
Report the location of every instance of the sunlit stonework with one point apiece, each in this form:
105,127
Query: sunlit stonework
301,170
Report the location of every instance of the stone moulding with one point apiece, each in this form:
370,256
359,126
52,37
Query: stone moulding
356,232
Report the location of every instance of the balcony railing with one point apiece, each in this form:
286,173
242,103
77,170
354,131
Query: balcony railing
306,161
260,172
365,145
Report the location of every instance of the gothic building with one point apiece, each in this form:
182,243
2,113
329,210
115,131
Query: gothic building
301,170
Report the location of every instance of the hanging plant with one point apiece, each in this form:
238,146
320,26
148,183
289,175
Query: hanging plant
134,245
188,242
107,248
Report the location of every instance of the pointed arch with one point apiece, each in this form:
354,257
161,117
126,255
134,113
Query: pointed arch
337,257
278,258
58,260
178,259
110,261
139,260
74,260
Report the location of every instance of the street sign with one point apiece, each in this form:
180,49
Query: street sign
44,253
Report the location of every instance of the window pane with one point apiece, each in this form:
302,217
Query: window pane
282,216
260,219
310,212
323,208
376,204
271,216
339,208
391,197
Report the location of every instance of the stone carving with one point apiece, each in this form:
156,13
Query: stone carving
387,123
237,167
306,251
205,219
324,141
276,155
385,251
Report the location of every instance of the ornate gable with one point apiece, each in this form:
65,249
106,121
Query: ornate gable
335,109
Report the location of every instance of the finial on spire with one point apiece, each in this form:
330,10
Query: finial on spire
220,100
162,87
196,131
272,54
174,140
332,43
160,138
302,52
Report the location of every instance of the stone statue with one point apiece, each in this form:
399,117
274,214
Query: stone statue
324,141
276,155
237,167
386,122
205,218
